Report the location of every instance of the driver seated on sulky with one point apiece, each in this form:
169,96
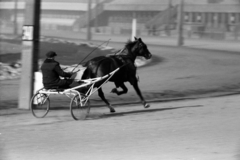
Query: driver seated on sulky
52,72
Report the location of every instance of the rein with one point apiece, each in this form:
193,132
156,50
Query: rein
90,54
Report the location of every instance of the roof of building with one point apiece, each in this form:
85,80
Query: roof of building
175,1
143,1
66,1
133,5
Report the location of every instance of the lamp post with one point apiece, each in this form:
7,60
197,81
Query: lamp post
134,26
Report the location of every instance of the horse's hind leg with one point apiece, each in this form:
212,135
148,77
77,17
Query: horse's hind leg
124,90
135,86
101,95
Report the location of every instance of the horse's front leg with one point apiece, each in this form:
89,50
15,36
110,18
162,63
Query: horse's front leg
124,90
135,86
101,95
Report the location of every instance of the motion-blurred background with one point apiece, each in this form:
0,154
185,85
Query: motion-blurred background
212,19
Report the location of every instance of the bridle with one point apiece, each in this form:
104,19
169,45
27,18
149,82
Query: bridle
139,47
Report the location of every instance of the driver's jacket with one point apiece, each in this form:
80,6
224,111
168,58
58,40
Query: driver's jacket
51,71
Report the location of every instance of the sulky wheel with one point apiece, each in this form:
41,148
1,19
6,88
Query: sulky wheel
78,111
40,105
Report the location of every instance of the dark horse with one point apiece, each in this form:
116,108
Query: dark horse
101,66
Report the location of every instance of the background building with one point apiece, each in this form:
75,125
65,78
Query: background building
205,18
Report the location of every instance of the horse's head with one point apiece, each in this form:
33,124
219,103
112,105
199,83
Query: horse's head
141,49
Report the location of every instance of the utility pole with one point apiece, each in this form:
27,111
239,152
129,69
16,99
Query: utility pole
180,40
89,36
169,17
15,17
96,16
30,42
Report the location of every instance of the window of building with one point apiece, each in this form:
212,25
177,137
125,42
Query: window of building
214,17
199,17
186,17
233,18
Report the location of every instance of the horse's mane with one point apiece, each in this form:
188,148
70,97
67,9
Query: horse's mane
129,44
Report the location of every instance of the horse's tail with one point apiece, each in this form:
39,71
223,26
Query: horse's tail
86,73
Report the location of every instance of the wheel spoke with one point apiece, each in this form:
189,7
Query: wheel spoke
40,105
79,110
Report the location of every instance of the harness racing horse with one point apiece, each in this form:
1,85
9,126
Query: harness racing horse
103,65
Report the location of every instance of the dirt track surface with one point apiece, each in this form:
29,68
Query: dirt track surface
204,129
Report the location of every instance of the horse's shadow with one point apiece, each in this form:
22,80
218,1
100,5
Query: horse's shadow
110,115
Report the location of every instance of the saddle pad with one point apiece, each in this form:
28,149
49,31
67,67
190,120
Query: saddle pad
78,75
78,69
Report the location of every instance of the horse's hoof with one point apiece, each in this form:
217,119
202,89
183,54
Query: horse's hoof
112,110
146,105
114,90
